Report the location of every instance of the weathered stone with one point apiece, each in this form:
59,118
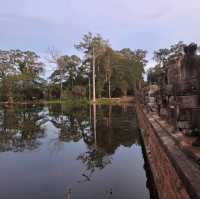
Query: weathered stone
190,101
167,182
175,174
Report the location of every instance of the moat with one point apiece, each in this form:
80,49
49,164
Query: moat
60,152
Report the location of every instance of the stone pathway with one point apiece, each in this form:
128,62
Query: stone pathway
184,142
183,156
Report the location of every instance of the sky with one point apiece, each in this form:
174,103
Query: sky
147,24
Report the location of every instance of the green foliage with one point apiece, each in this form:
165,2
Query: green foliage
69,102
66,69
117,72
163,57
106,101
19,76
156,75
79,91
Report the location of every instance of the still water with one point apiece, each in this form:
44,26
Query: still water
57,152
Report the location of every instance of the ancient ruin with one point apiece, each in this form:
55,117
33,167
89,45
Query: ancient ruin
177,97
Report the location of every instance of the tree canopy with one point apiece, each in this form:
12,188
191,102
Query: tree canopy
108,71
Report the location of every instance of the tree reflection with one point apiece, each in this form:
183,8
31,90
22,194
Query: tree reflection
93,159
20,128
116,126
112,127
102,128
73,122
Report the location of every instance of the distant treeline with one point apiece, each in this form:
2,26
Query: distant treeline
116,73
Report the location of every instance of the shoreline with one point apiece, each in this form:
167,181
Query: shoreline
99,101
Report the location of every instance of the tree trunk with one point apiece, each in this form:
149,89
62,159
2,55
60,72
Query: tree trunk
94,125
61,86
93,76
9,92
89,87
72,84
109,90
61,91
110,116
125,93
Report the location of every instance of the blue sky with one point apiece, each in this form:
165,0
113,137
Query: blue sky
147,24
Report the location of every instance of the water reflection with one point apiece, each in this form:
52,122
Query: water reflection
88,137
21,128
72,122
118,127
104,129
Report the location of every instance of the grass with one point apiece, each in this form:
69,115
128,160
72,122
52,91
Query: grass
107,101
68,102
100,101
74,101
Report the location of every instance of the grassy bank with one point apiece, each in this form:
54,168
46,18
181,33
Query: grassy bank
107,101
122,100
75,102
68,102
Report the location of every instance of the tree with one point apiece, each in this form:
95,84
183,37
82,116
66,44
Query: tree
111,72
108,67
93,47
58,75
7,69
177,50
28,79
162,57
155,75
66,71
133,63
19,71
72,64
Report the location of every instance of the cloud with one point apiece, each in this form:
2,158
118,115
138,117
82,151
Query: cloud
31,33
147,24
36,24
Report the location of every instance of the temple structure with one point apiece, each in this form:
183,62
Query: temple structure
177,98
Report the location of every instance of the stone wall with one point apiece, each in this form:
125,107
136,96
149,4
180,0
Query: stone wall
168,183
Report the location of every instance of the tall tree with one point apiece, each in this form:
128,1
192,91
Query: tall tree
18,69
58,75
107,59
135,62
29,67
66,71
93,47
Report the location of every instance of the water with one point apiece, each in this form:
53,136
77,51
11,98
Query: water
71,153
